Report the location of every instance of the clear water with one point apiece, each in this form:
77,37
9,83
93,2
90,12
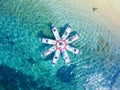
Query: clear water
23,22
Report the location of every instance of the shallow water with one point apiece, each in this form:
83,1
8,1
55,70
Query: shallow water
23,22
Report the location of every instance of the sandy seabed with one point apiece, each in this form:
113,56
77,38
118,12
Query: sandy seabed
23,22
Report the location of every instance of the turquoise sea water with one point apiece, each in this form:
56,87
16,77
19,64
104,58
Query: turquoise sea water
23,22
